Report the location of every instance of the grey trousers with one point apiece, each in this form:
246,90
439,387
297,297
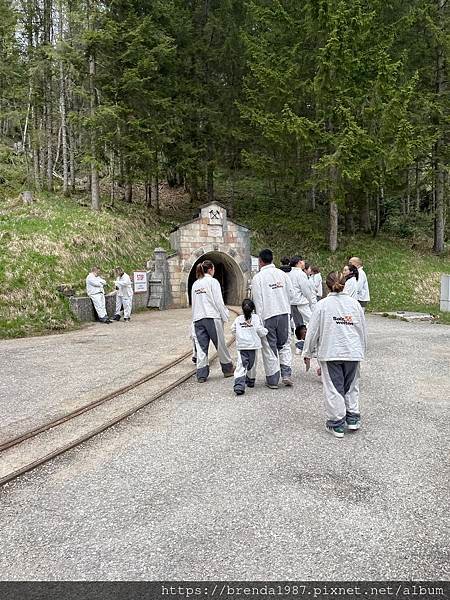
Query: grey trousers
245,371
211,330
341,390
301,314
276,349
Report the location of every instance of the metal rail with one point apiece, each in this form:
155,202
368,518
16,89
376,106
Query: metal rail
105,425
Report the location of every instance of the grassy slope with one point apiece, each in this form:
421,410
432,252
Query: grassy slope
55,241
399,278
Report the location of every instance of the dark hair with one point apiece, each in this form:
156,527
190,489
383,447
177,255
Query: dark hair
285,260
306,267
294,260
315,270
203,268
353,272
248,307
335,281
298,330
266,256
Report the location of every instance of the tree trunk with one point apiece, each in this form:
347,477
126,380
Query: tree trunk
364,215
439,214
333,231
379,199
128,196
62,104
417,207
210,173
95,185
155,193
112,169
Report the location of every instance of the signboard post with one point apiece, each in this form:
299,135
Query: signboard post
140,282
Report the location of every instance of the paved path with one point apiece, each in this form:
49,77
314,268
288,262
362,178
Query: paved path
203,485
45,377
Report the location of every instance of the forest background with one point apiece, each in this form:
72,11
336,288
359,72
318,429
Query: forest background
322,124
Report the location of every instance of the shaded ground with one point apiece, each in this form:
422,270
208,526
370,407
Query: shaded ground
202,485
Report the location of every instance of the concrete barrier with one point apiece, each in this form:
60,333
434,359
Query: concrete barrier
445,293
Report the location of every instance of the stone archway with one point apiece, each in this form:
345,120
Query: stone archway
227,272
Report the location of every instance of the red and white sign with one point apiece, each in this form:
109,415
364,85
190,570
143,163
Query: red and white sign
140,281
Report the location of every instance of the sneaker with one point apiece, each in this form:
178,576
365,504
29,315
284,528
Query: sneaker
239,392
271,386
202,380
229,374
353,423
336,431
126,318
250,385
116,318
287,381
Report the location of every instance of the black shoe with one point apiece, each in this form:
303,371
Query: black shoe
250,385
202,380
126,319
116,318
239,392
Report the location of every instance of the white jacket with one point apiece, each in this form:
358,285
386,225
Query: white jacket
272,292
248,335
351,288
125,288
363,286
337,330
302,287
317,278
94,284
207,301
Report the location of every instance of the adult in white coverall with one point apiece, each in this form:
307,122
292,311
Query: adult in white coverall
302,300
337,333
124,295
94,289
363,285
272,294
351,275
209,313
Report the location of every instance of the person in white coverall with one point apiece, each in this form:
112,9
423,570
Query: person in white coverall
124,295
248,331
272,294
337,333
209,313
351,275
94,289
302,300
363,285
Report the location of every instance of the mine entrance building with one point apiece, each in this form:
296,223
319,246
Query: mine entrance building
211,235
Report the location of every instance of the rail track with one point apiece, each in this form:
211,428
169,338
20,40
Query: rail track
41,444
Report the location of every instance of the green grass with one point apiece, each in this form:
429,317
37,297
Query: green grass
56,241
402,274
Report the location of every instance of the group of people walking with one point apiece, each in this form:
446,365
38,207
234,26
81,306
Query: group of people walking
124,294
332,330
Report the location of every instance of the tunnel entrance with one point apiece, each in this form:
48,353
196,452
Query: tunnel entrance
227,272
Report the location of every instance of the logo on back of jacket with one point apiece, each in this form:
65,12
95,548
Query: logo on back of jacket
246,324
345,320
200,291
277,284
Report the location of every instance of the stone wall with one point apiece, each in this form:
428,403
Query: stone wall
212,231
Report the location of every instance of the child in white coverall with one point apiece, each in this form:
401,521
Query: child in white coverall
249,330
337,331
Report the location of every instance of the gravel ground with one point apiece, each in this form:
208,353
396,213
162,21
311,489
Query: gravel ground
203,485
45,377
